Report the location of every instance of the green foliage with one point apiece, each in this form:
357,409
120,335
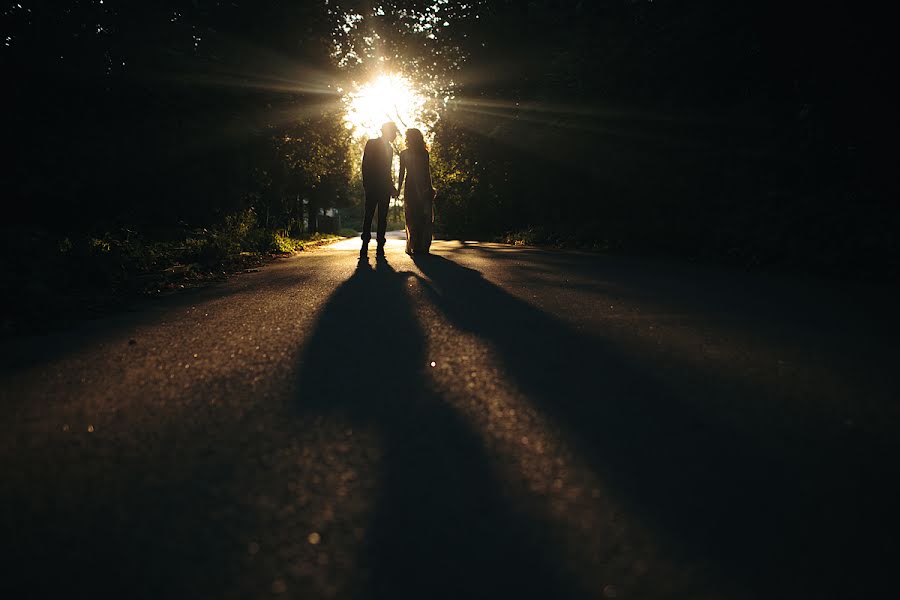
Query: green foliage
283,243
226,129
461,201
286,244
673,128
425,42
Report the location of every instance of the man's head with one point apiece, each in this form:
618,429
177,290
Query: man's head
389,131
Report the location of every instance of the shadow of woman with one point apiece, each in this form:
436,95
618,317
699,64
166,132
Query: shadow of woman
710,494
440,528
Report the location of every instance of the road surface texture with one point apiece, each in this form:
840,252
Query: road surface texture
485,422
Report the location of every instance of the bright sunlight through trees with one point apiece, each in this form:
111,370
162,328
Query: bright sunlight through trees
387,98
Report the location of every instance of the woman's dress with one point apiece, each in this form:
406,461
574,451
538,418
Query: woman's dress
418,200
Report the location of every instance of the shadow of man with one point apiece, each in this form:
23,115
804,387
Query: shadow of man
440,527
710,494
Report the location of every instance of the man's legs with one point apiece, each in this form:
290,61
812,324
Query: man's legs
383,205
371,205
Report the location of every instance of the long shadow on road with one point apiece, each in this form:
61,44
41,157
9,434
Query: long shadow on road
440,528
772,523
801,522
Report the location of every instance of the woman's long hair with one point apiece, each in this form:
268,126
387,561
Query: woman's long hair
415,141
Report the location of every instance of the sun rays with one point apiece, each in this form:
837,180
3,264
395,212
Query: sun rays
386,98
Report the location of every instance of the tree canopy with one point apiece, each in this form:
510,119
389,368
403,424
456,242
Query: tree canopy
738,129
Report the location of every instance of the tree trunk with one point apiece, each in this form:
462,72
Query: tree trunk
313,211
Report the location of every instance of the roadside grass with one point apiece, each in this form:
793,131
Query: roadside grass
541,236
48,280
286,244
775,248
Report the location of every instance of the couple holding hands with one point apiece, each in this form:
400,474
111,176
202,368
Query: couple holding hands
418,195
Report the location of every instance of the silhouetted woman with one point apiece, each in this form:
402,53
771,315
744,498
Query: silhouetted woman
418,196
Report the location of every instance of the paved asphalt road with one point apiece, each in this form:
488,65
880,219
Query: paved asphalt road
488,421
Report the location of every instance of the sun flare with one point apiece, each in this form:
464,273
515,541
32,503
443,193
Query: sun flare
387,98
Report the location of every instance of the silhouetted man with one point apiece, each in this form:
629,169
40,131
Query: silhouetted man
378,181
